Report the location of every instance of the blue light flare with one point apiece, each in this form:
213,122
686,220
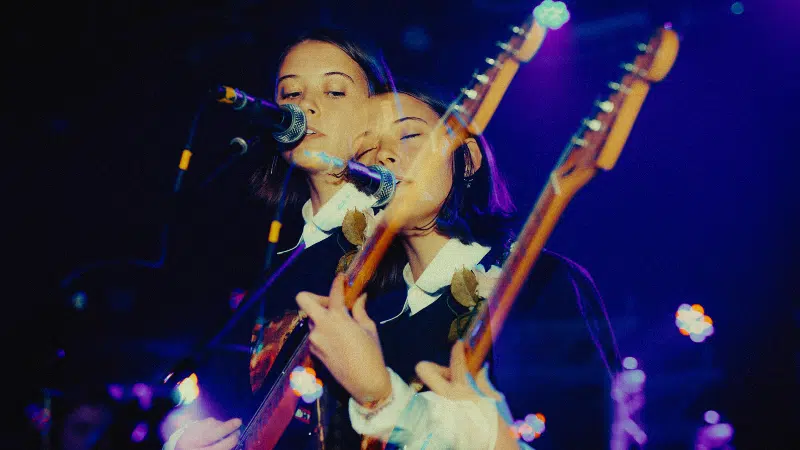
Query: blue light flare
551,15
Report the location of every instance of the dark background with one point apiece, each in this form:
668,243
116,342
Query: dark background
701,207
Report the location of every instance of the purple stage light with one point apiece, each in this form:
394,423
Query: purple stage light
711,417
140,432
630,363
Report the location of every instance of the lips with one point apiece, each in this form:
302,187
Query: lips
313,132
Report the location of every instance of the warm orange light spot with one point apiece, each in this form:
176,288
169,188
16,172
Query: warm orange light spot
684,331
540,416
311,371
698,308
708,320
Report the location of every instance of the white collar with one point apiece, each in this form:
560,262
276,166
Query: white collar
439,273
331,215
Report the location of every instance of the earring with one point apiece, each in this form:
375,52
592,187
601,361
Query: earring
468,182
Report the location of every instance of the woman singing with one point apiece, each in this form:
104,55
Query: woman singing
330,78
459,221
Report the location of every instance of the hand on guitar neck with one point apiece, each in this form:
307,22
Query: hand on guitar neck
456,383
347,343
349,346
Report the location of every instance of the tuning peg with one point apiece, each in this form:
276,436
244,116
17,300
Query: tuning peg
507,48
614,86
630,67
482,79
605,106
494,62
472,94
593,124
517,30
578,141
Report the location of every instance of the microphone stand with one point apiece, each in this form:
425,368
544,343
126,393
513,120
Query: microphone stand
255,295
183,167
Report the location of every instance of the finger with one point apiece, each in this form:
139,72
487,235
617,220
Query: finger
317,351
308,302
226,444
436,377
219,430
361,317
485,386
337,294
458,362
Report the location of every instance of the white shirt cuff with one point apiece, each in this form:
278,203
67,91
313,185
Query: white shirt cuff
380,423
428,420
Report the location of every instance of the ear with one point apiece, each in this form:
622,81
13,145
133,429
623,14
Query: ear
474,155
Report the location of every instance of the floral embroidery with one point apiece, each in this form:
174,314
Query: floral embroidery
357,226
471,289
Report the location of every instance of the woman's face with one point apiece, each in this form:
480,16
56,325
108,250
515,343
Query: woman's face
332,91
401,129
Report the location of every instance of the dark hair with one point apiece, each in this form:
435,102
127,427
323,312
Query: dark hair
268,180
482,213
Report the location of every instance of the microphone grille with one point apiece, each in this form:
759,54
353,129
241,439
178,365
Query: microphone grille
297,127
386,188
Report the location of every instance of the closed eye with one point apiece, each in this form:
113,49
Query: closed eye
336,93
361,155
290,95
410,136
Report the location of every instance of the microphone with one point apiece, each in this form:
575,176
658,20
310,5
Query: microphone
288,120
376,180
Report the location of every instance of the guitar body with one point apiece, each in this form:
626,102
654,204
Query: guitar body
281,419
268,347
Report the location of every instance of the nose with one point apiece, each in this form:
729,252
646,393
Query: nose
309,104
387,157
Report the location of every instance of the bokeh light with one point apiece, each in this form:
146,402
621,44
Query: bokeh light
692,321
630,363
79,301
140,432
305,384
144,394
737,8
188,390
711,417
531,428
116,391
550,14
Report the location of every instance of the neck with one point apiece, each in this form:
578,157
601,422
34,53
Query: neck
421,249
322,188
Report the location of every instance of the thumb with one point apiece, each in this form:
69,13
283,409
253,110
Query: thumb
485,386
436,377
361,317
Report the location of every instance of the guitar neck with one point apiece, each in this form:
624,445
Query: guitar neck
597,145
537,230
366,261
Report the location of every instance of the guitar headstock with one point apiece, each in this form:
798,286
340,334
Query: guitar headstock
599,141
469,114
480,98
